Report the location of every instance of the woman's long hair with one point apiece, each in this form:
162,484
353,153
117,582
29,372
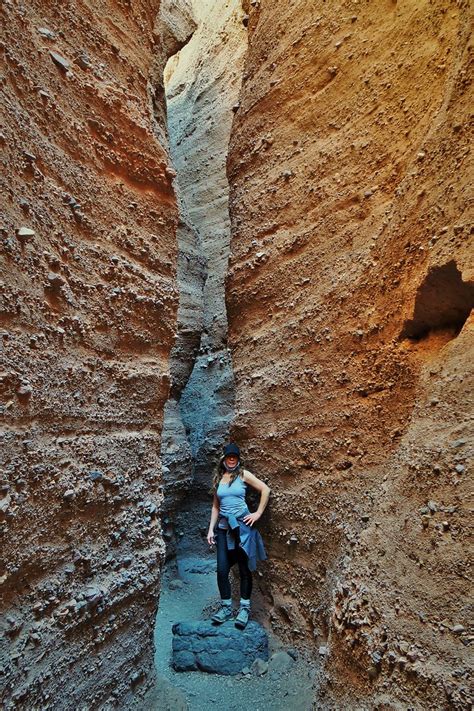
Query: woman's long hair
221,470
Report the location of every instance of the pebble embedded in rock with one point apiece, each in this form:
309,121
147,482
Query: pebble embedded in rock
96,475
56,280
46,32
25,233
60,61
82,60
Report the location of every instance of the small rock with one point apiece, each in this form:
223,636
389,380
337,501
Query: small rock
137,677
403,646
60,61
82,60
69,494
96,475
458,629
259,667
176,584
322,651
25,390
5,504
45,32
459,468
372,672
56,280
280,663
433,506
25,233
392,657
93,596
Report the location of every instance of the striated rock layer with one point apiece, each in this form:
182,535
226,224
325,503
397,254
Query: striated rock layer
88,319
202,84
349,294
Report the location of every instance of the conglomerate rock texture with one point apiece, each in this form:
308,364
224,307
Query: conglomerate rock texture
202,85
88,320
349,294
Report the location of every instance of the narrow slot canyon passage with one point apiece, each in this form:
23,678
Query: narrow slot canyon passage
248,221
202,84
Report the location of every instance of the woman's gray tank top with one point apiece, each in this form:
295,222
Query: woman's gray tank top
231,500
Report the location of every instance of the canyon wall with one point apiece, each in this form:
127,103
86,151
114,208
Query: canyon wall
348,294
88,320
202,85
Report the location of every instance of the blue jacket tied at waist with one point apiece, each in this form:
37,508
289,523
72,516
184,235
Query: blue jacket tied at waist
250,539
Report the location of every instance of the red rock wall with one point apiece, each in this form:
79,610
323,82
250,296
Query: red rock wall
347,295
88,319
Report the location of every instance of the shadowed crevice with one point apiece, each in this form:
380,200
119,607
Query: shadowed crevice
443,302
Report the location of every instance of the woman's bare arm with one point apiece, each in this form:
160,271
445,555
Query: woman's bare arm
264,490
214,517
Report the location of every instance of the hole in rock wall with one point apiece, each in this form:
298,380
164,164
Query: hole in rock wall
443,303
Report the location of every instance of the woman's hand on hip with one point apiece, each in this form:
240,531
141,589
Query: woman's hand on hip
210,538
250,519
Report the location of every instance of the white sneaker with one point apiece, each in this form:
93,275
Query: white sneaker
242,617
222,615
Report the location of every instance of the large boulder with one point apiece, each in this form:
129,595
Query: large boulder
201,646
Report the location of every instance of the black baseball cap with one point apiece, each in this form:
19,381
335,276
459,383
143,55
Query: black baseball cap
230,449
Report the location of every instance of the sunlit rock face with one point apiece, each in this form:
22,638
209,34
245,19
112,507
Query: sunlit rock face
89,318
202,85
349,294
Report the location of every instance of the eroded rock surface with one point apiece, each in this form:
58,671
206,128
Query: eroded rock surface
202,86
88,318
349,288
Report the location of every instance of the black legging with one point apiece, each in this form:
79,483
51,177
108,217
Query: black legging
225,560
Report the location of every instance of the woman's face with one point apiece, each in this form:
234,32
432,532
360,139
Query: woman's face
231,460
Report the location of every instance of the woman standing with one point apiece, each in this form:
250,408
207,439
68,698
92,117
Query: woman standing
237,540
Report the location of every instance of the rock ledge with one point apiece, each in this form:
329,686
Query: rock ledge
202,646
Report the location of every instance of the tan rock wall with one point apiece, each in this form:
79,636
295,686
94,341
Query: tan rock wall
88,321
347,297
